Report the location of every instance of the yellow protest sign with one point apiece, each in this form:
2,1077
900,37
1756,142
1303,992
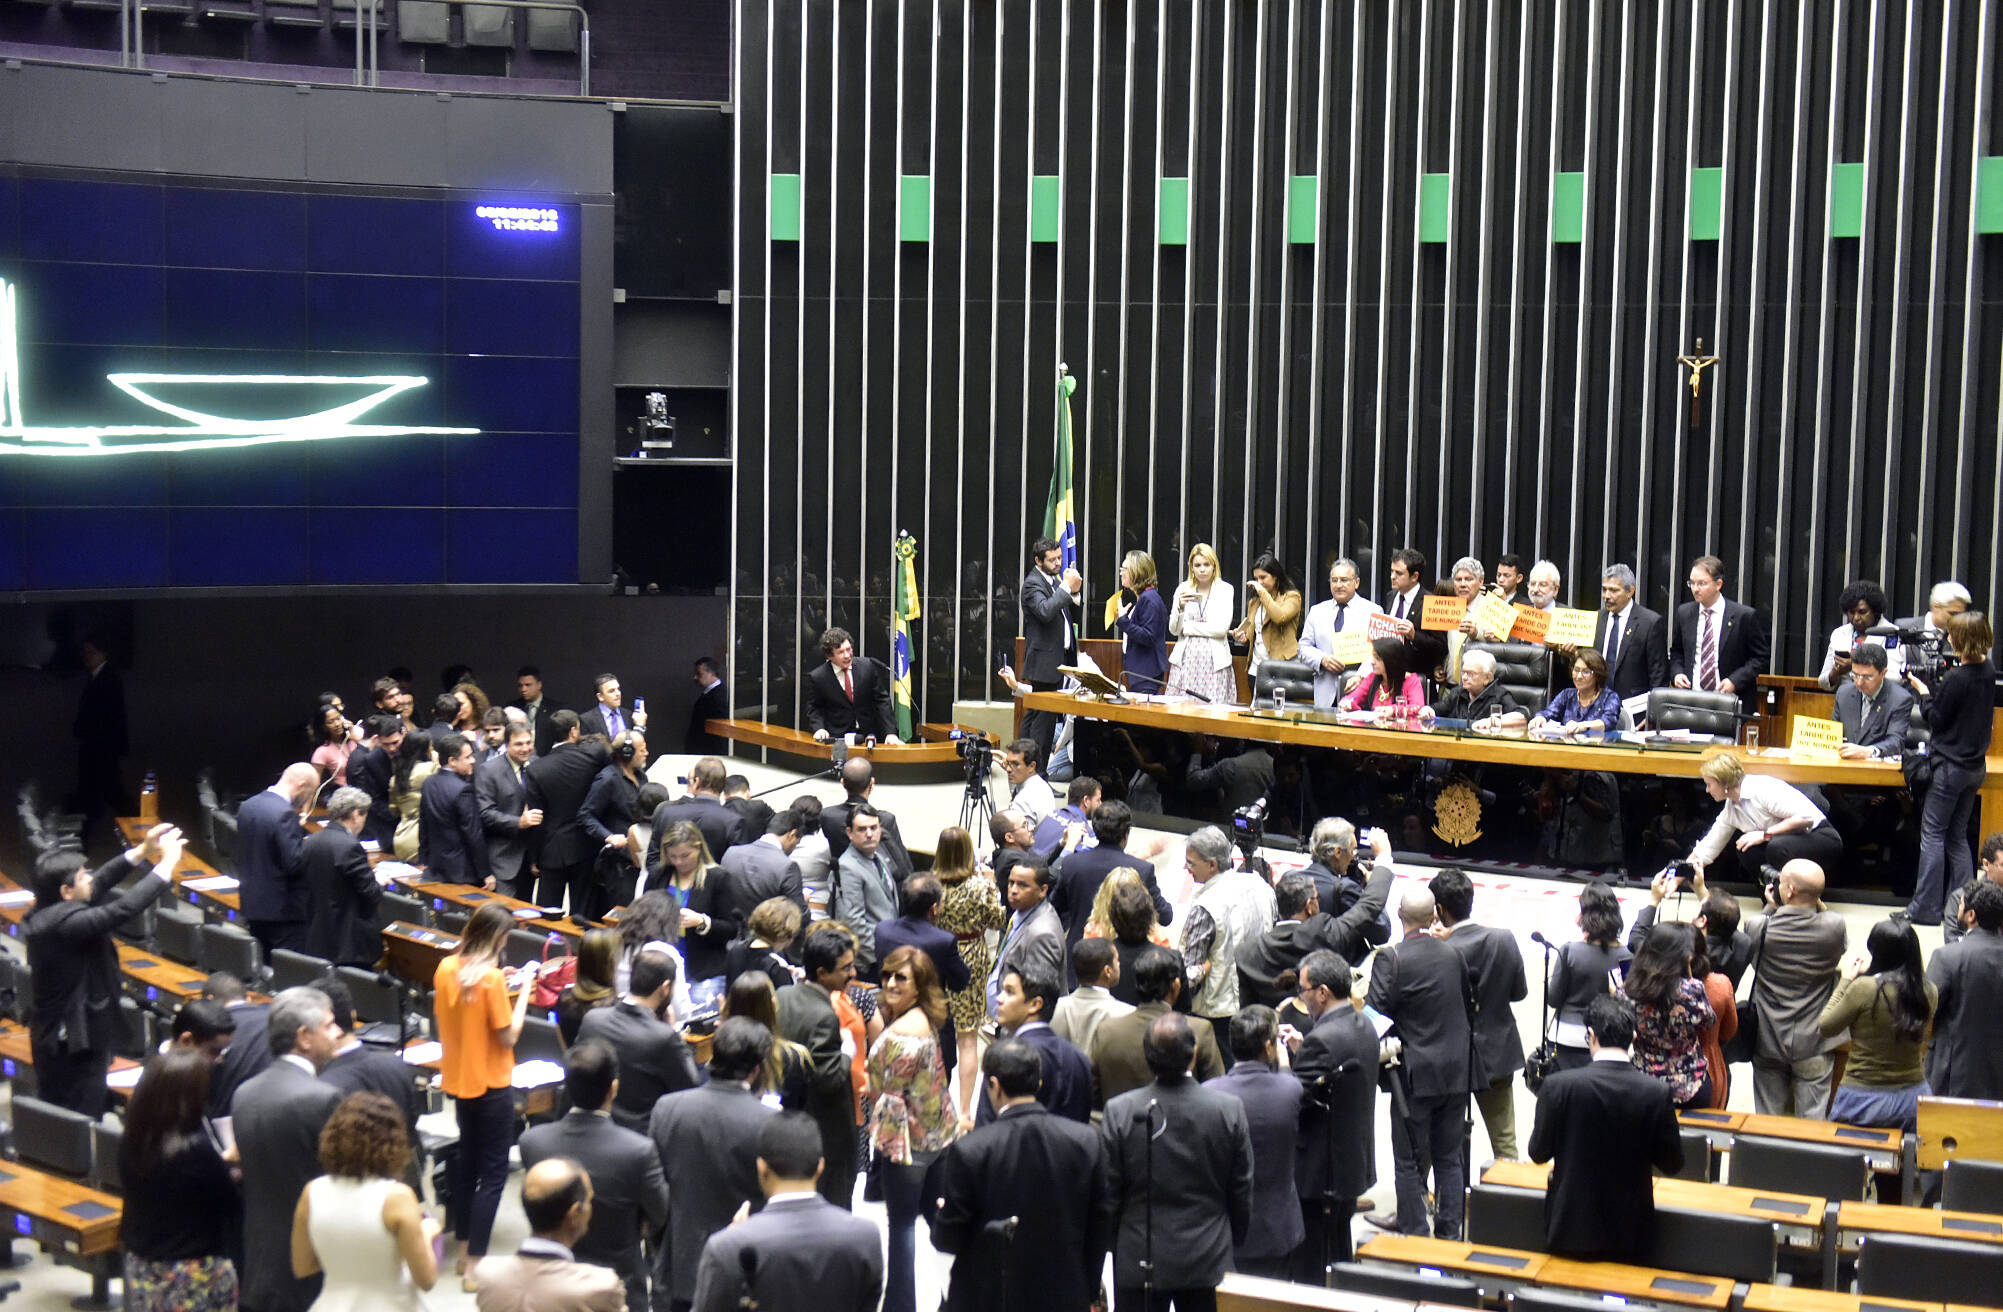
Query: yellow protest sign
1815,740
1352,647
1572,628
1443,613
1493,617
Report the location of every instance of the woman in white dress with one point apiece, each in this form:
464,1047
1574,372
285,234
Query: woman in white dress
1199,616
359,1223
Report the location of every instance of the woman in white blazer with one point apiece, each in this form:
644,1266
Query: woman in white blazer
1199,617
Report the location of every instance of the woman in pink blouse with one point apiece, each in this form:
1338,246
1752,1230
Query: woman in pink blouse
1387,672
913,1118
335,744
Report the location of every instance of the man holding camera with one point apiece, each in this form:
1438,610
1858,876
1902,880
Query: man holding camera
1232,907
1797,951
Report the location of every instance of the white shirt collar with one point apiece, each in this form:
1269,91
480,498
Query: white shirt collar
1624,611
537,1246
302,1063
791,1196
1614,1054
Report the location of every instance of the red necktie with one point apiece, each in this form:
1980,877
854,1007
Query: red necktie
848,683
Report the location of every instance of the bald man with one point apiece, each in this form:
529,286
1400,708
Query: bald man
544,1275
271,860
1422,984
1800,946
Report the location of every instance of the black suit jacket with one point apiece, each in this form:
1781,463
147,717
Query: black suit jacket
502,798
450,843
1049,1174
1201,1182
627,1187
752,817
75,963
1642,662
247,1056
1078,878
827,705
718,823
710,704
277,1118
593,720
540,722
1337,1067
809,1254
370,769
934,942
1884,729
1067,1077
100,725
1273,1114
1263,960
1602,1127
1423,985
557,784
653,1059
1496,964
1742,647
1045,604
345,897
270,846
378,1070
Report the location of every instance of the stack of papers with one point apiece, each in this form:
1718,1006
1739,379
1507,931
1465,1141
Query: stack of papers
535,1074
125,1079
17,897
419,1054
211,884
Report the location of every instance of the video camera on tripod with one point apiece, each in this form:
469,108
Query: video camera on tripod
977,754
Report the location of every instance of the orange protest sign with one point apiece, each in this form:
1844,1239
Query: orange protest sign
1531,624
1443,613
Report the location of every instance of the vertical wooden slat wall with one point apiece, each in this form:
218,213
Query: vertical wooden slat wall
1346,277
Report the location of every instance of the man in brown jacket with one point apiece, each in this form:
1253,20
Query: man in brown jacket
1119,1059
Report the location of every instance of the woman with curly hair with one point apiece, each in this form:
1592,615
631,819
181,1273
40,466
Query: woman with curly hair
334,742
912,1119
360,1223
970,910
473,705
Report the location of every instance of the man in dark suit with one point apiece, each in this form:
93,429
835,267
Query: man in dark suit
807,1017
1265,963
753,813
847,693
1023,1201
371,766
501,792
1049,633
609,715
1180,1158
712,702
1119,1048
1425,649
1630,636
653,1059
800,1251
450,843
341,888
631,1195
102,739
75,1024
1336,1063
445,710
706,1140
914,928
703,808
859,783
1604,1128
557,785
1027,1001
1080,874
1272,1101
277,1118
248,1052
537,706
1966,1059
544,1275
356,1067
1424,987
1718,645
752,872
270,847
1495,964
1034,939
1873,710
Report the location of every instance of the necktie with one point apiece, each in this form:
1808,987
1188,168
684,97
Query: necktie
1401,607
1341,613
883,878
1613,642
614,722
1707,655
995,975
848,683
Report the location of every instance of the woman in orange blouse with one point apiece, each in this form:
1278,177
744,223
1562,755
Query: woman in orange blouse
477,1029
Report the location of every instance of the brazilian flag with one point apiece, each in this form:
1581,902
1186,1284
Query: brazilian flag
1060,521
904,608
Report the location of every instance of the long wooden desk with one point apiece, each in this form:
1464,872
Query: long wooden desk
798,742
65,1216
1884,1149
1454,1256
17,1052
1798,1215
466,897
153,980
1794,1298
1520,1267
1243,1293
1853,1219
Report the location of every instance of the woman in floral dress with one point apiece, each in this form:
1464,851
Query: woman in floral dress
913,1118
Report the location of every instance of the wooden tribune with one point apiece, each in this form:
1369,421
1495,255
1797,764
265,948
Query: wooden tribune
1959,1127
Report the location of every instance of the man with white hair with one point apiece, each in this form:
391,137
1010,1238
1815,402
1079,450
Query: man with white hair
271,848
1479,699
1469,576
1422,985
1544,584
1344,612
1231,908
1944,602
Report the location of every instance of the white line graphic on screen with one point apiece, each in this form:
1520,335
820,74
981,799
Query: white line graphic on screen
201,431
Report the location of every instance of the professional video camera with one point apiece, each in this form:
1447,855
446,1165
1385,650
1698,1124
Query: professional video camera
976,752
1248,829
1927,652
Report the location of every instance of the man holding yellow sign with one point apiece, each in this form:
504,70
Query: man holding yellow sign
1336,637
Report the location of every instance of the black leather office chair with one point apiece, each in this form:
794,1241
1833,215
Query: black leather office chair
1972,1186
1405,1286
1714,713
291,969
178,936
53,1138
1522,667
1506,1217
1931,1270
1297,677
1823,1170
1715,1244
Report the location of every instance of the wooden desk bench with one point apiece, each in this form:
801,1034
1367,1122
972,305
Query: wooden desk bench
1959,1127
156,982
465,897
1242,1293
413,952
1488,1261
74,1224
1854,1219
1799,1216
1793,1298
1884,1149
1519,1267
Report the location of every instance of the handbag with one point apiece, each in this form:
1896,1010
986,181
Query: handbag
1542,1063
552,980
1742,1044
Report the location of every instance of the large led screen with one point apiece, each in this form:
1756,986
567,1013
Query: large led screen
227,386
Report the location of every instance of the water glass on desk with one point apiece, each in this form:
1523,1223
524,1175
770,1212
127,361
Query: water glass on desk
1279,700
